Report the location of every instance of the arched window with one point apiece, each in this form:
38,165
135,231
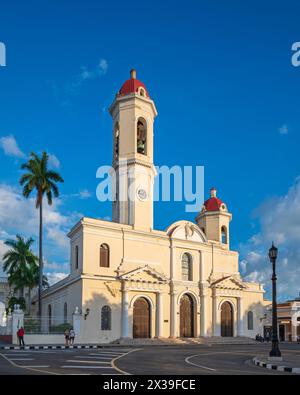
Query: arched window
76,257
65,312
106,318
141,136
104,255
224,234
141,91
117,141
250,320
49,316
186,267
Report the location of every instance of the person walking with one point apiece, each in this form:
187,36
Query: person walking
67,337
20,334
72,336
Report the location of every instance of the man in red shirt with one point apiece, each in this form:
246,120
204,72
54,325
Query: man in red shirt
20,335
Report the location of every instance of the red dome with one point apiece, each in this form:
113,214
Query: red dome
213,203
132,85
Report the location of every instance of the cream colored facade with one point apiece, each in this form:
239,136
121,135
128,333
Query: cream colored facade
148,267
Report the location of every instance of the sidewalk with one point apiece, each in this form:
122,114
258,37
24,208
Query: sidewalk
290,363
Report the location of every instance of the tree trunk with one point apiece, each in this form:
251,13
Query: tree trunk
41,258
29,301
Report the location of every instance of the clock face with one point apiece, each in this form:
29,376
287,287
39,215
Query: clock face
142,194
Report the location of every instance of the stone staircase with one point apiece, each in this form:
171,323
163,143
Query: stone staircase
186,341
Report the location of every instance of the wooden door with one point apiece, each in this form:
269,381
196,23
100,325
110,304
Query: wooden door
226,320
141,318
186,316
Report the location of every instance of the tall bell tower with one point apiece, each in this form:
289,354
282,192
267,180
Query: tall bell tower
133,113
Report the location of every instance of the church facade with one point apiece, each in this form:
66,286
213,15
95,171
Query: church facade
128,280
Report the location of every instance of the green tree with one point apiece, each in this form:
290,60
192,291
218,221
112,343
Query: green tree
17,259
43,181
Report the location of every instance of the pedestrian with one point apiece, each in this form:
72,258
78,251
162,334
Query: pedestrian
67,337
72,336
298,339
20,334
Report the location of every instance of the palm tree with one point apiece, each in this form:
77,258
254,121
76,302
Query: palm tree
42,180
17,259
27,276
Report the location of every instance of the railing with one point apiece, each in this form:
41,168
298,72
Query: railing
45,325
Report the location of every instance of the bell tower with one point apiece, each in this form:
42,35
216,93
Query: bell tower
214,220
133,113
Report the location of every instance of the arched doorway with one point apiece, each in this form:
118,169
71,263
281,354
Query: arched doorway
141,318
226,320
186,316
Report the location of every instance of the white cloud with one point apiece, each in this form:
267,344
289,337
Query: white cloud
10,147
53,161
84,194
279,220
283,129
19,215
54,277
103,66
73,87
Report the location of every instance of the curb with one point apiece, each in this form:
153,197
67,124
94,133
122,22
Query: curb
54,347
257,362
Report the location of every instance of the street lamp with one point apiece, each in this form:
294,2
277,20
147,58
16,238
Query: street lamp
275,352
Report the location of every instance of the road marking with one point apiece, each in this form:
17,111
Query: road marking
24,367
107,353
89,357
113,362
187,360
21,359
36,366
85,367
82,361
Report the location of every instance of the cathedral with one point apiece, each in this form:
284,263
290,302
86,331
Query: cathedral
129,280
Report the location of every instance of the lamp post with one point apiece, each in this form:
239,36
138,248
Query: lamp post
275,352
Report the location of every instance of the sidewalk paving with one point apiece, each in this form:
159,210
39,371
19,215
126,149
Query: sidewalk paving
290,363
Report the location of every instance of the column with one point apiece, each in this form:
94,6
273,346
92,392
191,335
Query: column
124,320
294,323
77,322
17,322
216,326
203,308
240,324
173,333
159,314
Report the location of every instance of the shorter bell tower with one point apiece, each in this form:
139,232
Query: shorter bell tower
214,220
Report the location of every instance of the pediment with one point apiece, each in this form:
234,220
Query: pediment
144,274
186,230
228,282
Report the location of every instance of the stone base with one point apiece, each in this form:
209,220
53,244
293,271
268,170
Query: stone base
275,359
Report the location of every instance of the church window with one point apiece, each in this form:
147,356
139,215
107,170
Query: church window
76,257
117,141
141,136
106,318
49,315
186,267
224,234
250,320
65,312
104,255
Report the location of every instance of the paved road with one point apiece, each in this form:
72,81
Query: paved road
199,360
66,362
155,360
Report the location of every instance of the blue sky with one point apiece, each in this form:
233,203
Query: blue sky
226,93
